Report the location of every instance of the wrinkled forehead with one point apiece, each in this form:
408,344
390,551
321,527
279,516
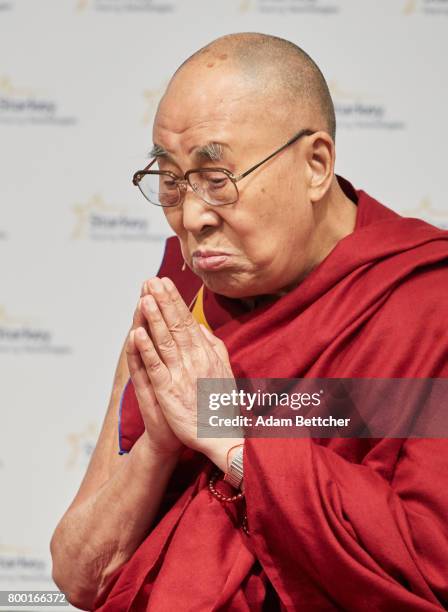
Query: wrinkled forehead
199,102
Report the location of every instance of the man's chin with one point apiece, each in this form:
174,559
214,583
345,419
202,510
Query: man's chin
227,284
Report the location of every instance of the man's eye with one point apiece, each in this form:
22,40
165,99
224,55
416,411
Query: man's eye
169,183
217,182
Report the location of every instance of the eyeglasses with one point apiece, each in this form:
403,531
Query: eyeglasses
215,186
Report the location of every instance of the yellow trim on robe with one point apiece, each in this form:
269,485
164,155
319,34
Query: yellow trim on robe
198,308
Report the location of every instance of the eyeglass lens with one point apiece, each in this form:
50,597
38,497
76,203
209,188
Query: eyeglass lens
213,186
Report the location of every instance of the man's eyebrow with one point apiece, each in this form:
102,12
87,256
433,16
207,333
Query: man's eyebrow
158,151
212,151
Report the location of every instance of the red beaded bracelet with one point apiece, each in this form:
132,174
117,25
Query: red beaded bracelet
211,485
244,525
223,498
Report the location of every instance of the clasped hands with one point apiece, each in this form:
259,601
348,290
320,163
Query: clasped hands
167,351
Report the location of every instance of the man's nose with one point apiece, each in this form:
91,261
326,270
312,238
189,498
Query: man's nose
197,215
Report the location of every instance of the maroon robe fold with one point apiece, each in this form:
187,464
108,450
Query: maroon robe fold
335,524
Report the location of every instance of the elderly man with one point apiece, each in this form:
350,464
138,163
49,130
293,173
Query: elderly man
279,268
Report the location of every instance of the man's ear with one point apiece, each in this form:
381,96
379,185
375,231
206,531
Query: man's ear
320,158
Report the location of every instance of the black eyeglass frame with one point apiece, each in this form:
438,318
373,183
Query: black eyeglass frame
182,182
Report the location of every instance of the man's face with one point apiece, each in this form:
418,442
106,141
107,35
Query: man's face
266,233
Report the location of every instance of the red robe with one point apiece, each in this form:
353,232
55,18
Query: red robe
335,524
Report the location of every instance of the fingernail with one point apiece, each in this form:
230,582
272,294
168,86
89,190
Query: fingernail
156,284
140,333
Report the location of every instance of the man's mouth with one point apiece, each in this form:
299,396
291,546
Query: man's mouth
209,261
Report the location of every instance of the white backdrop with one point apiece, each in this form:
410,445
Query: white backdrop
79,83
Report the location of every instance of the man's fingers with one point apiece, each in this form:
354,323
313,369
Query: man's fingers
186,327
160,335
144,289
138,319
142,385
156,370
216,343
169,310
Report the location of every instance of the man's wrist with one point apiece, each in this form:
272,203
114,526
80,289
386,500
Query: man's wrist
222,453
151,456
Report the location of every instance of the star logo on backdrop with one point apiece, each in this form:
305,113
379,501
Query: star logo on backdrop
359,110
245,5
339,92
7,549
8,88
81,5
26,106
83,212
409,7
11,321
425,210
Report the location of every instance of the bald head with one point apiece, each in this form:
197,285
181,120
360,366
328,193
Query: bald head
276,69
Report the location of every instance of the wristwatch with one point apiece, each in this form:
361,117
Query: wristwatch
234,475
